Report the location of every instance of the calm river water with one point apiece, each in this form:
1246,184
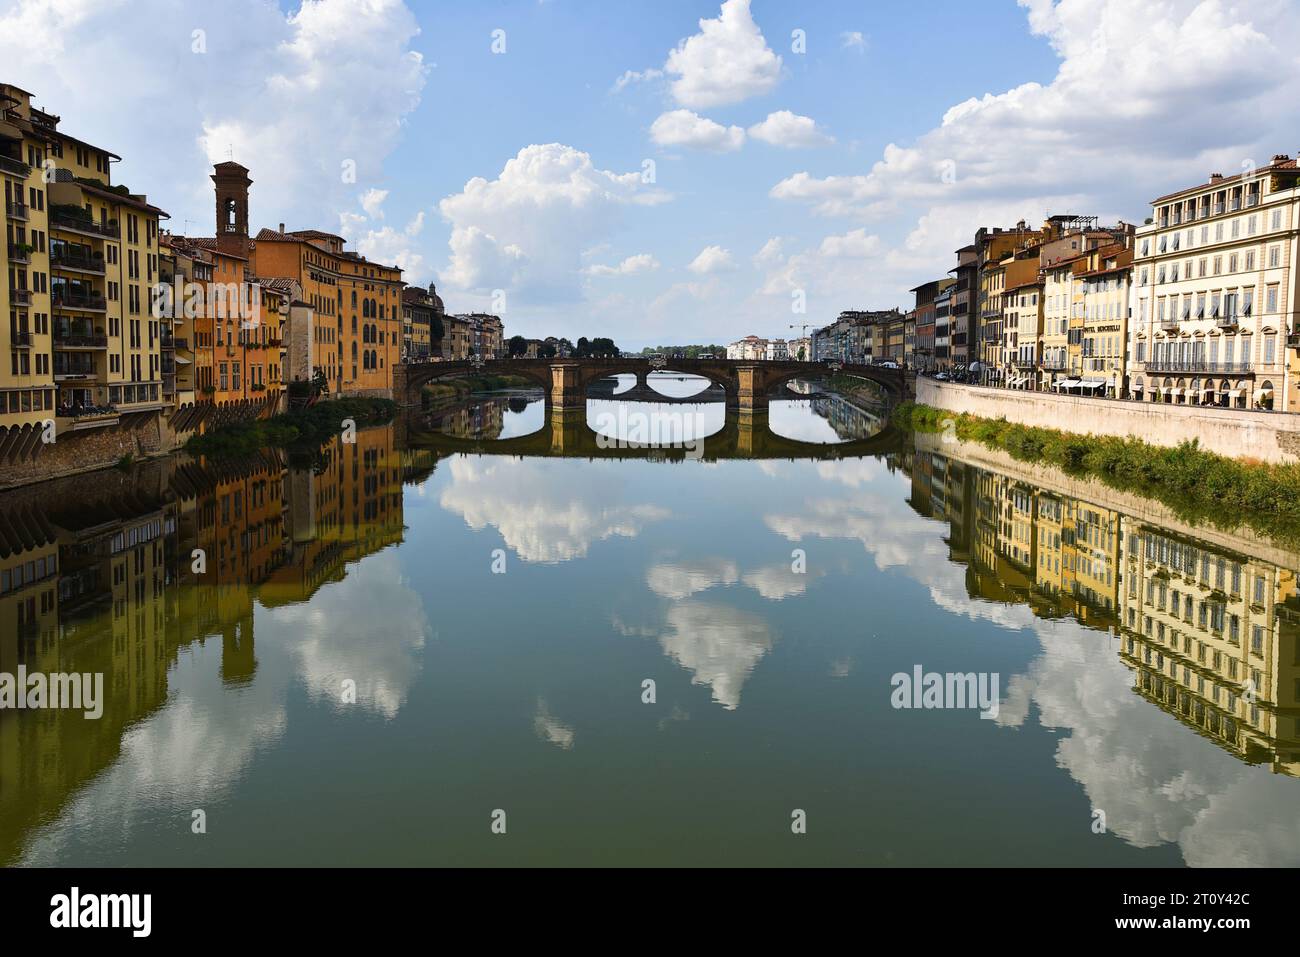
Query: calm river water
632,656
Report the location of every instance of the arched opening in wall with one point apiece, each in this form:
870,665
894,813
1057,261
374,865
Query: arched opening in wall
1264,395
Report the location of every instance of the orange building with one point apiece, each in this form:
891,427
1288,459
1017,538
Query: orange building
356,304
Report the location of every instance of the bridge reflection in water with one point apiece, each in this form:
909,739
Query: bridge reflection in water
567,433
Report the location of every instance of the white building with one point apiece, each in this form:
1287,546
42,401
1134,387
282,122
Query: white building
776,350
750,347
1214,293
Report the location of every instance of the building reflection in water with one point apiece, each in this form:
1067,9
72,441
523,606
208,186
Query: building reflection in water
117,572
1206,622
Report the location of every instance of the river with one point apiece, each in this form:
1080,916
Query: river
488,619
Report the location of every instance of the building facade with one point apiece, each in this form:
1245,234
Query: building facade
1214,293
81,260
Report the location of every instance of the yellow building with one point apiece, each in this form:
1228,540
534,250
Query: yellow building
1104,281
81,261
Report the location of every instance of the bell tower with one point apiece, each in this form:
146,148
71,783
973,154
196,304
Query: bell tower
232,183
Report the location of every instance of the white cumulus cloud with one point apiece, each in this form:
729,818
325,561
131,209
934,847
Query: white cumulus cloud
789,130
710,260
525,231
726,62
684,128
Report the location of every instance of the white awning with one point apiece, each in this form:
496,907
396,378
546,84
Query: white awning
182,361
1264,393
1236,393
1175,392
1092,383
1068,384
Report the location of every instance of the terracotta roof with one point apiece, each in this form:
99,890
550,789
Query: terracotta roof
277,283
1287,164
210,244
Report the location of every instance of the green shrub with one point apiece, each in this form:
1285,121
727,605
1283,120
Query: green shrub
305,429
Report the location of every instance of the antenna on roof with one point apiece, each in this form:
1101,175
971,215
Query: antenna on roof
230,151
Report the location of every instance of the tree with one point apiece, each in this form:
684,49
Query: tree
801,353
518,346
547,351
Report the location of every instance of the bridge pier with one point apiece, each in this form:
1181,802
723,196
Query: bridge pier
568,391
751,390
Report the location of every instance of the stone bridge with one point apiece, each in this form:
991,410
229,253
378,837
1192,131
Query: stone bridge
566,434
746,384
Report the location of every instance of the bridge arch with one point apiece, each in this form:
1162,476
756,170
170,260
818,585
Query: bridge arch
891,381
419,374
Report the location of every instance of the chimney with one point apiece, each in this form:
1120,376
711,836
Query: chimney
1216,177
282,227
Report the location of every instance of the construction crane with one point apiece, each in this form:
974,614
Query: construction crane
803,334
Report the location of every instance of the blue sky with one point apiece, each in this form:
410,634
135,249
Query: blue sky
838,177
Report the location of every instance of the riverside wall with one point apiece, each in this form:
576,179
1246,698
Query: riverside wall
1236,433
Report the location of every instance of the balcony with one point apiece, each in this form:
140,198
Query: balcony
179,342
64,372
64,257
16,211
76,339
79,222
20,339
14,167
20,253
1054,365
20,297
1199,365
1169,323
89,299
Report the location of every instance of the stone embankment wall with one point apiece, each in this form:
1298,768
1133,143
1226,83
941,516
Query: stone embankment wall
1237,433
25,458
